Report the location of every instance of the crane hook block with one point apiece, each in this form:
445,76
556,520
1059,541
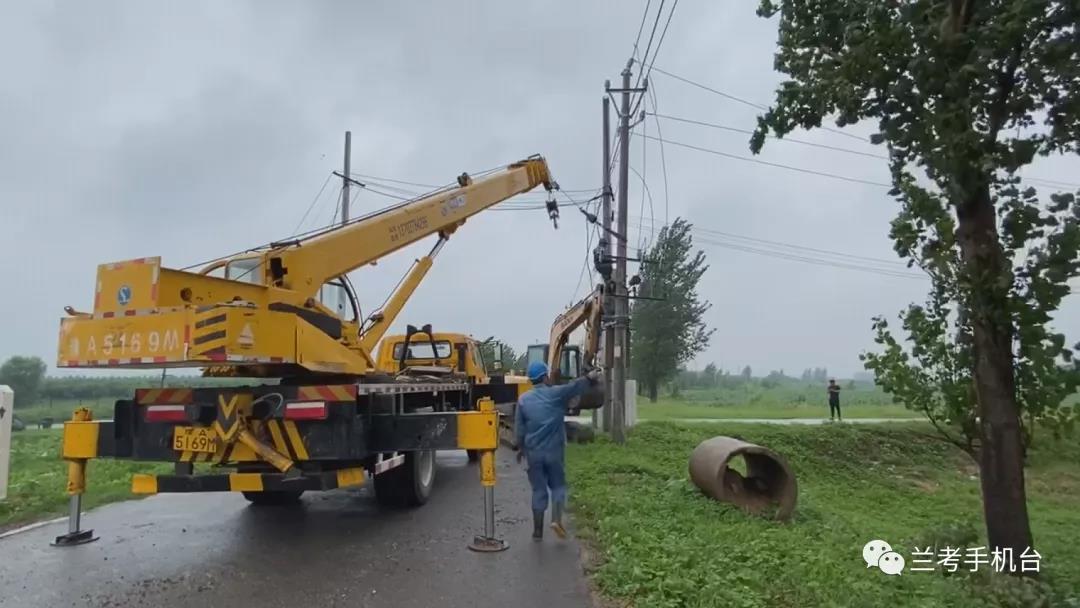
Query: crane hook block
553,212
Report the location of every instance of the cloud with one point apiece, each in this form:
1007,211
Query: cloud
196,130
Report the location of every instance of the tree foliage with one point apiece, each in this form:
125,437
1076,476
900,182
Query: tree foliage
818,374
671,330
487,351
965,93
24,376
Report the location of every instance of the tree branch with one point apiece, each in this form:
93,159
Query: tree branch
1006,83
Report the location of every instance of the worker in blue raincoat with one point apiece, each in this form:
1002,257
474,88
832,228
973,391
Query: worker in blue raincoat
541,439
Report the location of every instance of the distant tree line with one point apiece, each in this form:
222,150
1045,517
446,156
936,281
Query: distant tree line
26,376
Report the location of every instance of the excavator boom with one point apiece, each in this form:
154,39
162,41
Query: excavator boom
587,311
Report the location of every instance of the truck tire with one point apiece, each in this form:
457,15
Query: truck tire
408,485
274,497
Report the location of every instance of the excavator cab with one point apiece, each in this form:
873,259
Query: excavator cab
569,361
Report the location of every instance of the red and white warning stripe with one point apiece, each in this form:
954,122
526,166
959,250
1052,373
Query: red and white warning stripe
382,465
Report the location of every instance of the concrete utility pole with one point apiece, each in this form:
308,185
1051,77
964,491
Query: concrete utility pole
345,179
343,298
605,253
621,321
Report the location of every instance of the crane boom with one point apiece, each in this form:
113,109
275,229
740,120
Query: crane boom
263,316
309,263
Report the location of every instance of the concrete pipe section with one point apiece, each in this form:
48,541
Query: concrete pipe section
766,488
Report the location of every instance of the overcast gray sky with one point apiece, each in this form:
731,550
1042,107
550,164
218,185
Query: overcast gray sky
196,129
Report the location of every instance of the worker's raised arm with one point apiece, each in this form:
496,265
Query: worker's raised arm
566,392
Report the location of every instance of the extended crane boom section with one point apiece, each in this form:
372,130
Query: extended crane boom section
264,317
307,265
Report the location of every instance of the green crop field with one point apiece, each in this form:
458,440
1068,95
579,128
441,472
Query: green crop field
755,399
658,542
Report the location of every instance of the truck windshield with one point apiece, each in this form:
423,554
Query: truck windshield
422,350
245,270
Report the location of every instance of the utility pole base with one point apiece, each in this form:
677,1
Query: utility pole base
483,544
74,538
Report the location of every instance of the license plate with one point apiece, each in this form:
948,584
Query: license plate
195,439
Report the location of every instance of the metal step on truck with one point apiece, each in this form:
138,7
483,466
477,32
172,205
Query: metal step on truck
314,411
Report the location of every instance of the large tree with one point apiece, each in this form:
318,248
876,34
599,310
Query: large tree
669,327
965,92
24,376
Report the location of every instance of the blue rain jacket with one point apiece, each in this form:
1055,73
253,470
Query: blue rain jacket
540,412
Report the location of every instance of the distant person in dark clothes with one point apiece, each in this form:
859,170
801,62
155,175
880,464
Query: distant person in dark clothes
834,400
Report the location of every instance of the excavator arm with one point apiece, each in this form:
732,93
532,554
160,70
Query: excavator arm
262,316
588,311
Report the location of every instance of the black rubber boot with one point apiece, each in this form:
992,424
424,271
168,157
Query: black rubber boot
538,525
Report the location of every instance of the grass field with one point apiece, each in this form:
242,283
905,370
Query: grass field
669,409
789,400
60,410
660,543
36,486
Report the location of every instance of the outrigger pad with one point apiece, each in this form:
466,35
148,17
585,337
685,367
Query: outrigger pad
768,485
75,538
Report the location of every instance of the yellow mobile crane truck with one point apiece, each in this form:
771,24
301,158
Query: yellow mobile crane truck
324,416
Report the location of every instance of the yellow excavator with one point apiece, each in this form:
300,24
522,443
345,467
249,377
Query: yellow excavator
567,361
323,415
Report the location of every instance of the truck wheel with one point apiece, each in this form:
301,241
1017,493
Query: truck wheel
274,497
408,485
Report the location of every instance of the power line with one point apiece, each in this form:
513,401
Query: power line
641,28
759,106
662,35
377,178
744,101
663,157
313,201
645,190
644,168
645,57
812,260
1051,182
840,254
787,139
805,258
770,164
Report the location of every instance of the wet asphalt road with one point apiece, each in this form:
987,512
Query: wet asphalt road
336,549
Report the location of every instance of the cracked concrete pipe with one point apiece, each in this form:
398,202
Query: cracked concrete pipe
767,486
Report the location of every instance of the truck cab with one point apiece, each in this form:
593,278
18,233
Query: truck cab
449,354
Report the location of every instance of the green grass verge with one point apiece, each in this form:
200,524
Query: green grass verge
38,478
670,409
60,410
660,543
